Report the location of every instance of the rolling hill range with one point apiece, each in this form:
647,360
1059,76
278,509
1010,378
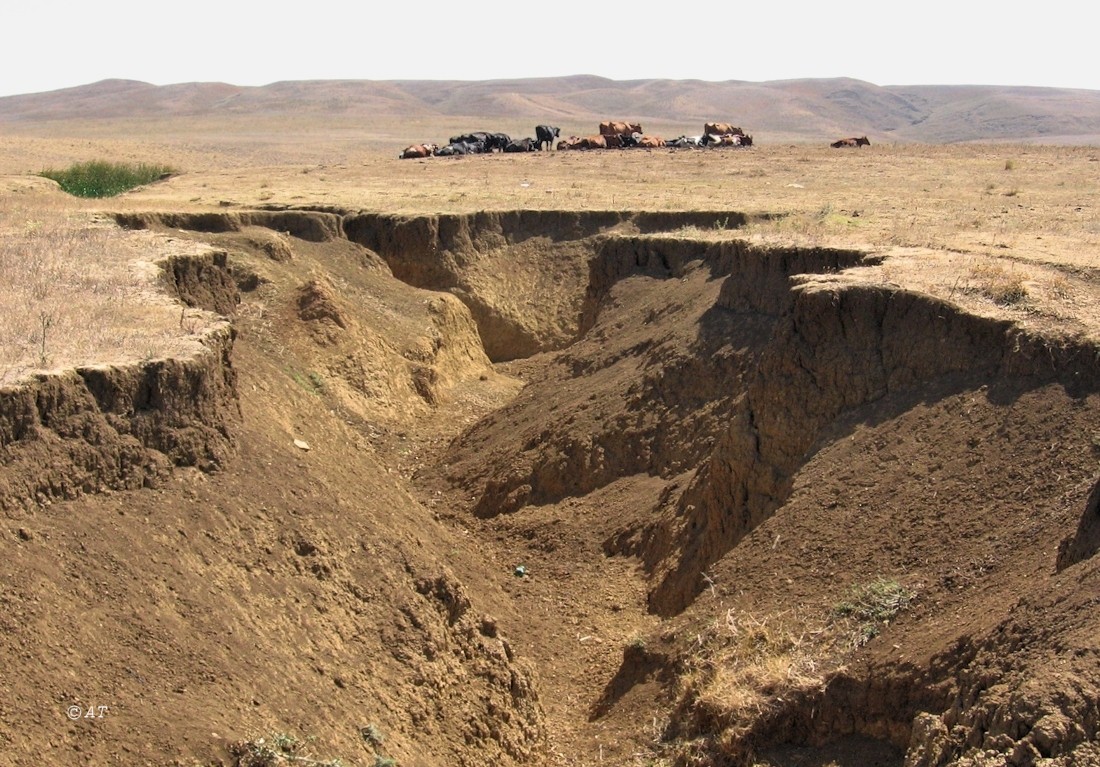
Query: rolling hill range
806,110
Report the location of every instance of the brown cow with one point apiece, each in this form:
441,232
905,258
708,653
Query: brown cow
612,128
722,129
418,150
651,142
591,142
847,142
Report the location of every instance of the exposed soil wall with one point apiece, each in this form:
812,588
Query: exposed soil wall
522,273
840,346
679,393
117,427
203,281
312,226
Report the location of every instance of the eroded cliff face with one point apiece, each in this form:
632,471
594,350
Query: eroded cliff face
840,346
117,427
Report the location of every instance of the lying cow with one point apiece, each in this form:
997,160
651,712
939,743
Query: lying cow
586,142
728,139
459,148
522,145
650,142
418,150
851,142
681,142
470,138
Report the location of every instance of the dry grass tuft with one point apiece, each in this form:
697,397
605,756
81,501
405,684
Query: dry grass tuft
745,671
1000,283
748,673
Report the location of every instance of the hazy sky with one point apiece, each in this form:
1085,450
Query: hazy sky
49,44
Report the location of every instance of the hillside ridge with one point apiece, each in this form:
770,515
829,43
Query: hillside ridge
791,109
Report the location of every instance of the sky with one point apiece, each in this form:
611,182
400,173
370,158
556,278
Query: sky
50,45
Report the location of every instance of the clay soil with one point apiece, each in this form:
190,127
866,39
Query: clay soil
511,475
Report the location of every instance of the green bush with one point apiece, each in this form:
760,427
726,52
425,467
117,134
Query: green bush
99,178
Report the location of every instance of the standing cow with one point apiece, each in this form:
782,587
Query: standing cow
545,134
722,129
615,128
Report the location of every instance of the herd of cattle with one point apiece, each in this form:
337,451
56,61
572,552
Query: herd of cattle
612,135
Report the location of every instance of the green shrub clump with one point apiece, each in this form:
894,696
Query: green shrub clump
99,178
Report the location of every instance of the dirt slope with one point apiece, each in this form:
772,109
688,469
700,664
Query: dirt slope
415,551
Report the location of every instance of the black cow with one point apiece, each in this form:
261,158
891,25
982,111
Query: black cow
456,148
498,141
479,142
545,134
470,138
522,145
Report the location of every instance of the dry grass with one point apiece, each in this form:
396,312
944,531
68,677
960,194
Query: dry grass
754,666
1001,283
745,669
79,291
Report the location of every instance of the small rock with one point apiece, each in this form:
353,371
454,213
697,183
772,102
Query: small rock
301,444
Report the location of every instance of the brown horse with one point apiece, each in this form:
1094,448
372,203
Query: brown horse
860,142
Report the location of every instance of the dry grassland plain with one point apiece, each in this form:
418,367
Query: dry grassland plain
1004,229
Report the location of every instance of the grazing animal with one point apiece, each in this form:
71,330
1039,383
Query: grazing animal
722,129
612,128
546,135
846,142
522,145
650,142
418,150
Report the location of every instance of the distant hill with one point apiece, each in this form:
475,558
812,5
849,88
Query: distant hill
785,109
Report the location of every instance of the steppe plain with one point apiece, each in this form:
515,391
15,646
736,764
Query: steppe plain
554,458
